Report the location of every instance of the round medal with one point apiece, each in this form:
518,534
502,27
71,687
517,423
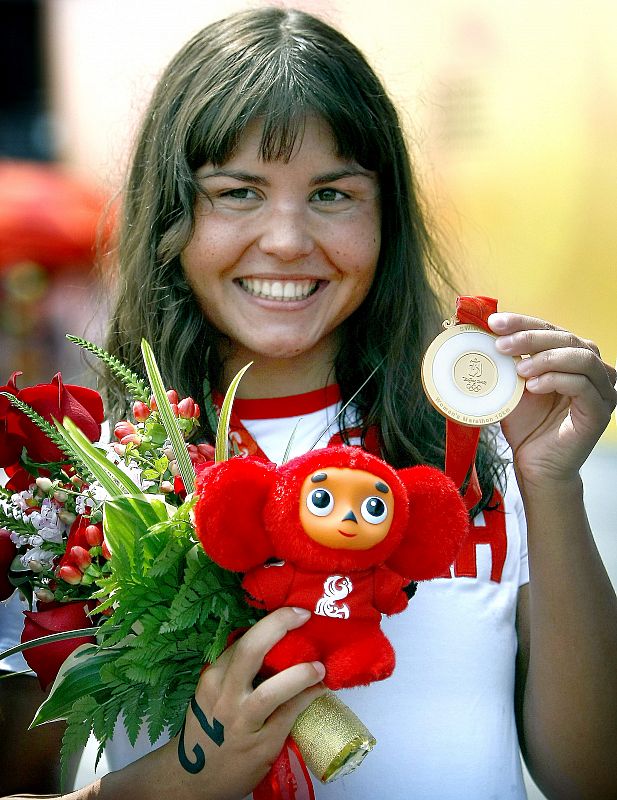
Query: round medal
467,379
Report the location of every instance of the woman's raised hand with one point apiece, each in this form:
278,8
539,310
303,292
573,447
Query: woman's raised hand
570,395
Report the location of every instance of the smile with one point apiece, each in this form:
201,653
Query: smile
284,291
348,535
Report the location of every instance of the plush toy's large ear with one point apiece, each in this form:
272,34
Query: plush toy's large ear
229,512
438,524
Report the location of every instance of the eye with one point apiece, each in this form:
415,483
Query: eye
374,510
320,502
329,195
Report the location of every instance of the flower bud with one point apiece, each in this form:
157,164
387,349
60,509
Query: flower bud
44,595
119,449
94,535
169,454
124,428
35,565
166,487
60,496
141,412
70,574
44,484
172,396
131,438
77,481
67,516
80,557
186,408
174,409
196,412
105,551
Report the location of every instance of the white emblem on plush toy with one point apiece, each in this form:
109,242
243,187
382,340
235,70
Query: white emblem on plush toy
336,588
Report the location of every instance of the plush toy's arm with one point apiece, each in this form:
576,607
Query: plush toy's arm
438,525
389,595
228,514
267,586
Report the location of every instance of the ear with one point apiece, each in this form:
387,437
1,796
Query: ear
229,512
438,524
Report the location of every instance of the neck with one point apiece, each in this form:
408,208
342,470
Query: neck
279,377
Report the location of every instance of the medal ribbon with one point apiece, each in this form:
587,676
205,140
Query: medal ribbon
462,440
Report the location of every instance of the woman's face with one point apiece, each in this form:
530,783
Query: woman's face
284,252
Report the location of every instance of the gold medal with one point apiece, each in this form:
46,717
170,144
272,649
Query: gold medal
467,379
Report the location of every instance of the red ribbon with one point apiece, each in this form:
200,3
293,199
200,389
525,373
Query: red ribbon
286,780
462,440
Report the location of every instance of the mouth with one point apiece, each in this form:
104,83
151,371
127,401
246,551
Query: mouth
283,291
347,535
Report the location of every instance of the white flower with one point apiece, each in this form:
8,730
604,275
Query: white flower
37,559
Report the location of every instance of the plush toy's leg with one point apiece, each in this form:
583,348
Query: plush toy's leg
294,648
358,660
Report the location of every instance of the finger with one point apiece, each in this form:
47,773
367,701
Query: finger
249,651
280,722
572,361
506,322
576,387
281,688
529,342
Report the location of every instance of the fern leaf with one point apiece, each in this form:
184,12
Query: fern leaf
137,387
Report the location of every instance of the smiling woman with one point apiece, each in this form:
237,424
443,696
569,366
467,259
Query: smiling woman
283,252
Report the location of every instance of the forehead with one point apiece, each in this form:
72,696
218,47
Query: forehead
311,134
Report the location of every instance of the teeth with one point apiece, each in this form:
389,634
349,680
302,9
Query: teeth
284,291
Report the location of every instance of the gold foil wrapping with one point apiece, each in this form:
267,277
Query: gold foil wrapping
331,738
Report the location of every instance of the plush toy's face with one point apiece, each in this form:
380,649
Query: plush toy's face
346,509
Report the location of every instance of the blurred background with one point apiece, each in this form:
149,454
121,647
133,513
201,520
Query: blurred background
511,113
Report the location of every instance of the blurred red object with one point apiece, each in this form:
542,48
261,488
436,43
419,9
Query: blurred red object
47,216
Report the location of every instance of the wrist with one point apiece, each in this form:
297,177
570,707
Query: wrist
549,489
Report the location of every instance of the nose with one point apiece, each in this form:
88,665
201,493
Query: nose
349,516
286,234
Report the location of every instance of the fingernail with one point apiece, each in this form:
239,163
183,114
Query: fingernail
303,613
498,322
319,668
531,383
504,343
524,367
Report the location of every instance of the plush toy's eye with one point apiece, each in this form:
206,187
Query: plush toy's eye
374,510
320,502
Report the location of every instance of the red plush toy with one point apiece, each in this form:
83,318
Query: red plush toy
336,531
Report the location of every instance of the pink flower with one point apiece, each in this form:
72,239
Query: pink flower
124,428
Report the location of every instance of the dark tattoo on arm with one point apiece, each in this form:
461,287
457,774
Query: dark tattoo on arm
215,732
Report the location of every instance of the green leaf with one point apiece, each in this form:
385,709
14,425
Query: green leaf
168,419
80,675
133,382
53,637
221,449
126,519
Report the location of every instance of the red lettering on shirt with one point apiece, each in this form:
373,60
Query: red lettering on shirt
492,533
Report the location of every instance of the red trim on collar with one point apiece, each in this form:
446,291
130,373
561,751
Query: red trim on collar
294,406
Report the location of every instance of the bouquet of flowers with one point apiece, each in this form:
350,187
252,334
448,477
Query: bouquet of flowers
126,607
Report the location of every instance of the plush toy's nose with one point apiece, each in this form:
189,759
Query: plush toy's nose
350,516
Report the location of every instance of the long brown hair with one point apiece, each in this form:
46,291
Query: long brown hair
280,65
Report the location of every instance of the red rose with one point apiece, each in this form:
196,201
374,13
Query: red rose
7,554
47,659
19,478
54,400
11,439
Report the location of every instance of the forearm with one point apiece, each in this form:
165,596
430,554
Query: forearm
569,713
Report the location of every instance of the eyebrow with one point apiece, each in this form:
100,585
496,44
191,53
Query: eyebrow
318,477
381,487
259,180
